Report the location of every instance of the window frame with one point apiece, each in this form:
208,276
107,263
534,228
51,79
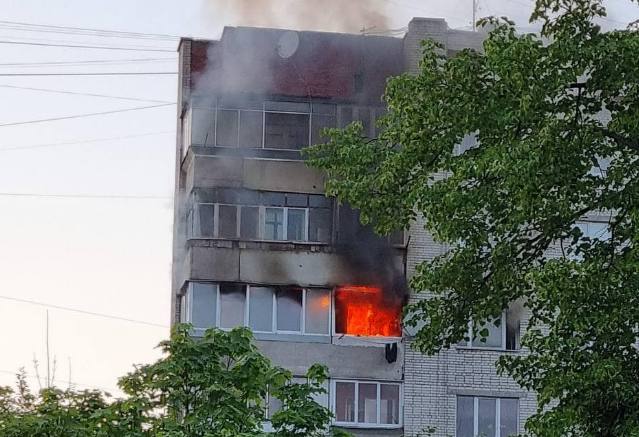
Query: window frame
497,412
334,333
471,345
357,423
261,223
187,305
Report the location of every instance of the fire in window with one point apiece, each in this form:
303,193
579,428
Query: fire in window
367,311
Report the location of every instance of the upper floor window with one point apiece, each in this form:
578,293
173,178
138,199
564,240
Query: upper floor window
272,217
264,309
270,124
502,336
366,404
489,417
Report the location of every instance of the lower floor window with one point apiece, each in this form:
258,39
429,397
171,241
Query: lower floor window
366,404
489,417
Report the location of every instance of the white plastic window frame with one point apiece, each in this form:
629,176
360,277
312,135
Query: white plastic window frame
356,423
478,344
497,414
261,221
187,305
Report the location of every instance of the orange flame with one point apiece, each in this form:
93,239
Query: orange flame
362,310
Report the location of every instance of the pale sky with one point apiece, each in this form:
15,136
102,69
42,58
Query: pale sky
111,255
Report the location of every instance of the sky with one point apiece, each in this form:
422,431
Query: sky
86,202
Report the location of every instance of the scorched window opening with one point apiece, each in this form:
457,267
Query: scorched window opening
366,311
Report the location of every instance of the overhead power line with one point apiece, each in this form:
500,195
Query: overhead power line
80,46
91,62
85,196
92,114
70,383
76,93
76,310
87,30
95,140
123,73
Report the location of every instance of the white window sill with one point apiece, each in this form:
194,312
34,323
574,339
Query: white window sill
366,425
486,349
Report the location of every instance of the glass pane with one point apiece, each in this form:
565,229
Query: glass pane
318,305
251,129
319,225
227,128
494,338
289,309
286,131
227,227
274,224
232,301
345,401
261,309
274,405
389,404
319,123
465,407
367,403
487,416
296,224
249,222
203,305
508,415
206,213
203,127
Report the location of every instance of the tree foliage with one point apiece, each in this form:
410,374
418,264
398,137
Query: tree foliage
553,120
214,386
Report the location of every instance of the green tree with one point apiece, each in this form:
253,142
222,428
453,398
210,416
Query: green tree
214,386
555,123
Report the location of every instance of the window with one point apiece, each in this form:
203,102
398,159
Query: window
265,309
286,130
504,337
367,311
489,417
367,404
227,128
251,123
274,224
280,217
594,230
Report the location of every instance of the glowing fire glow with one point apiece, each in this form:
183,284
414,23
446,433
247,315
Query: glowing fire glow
363,310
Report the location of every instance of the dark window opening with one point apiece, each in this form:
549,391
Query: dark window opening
286,131
249,222
251,129
227,128
228,221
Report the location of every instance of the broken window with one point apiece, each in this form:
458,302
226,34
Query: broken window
205,224
319,123
232,300
367,311
375,403
286,130
251,123
274,224
227,226
490,417
227,122
289,309
320,225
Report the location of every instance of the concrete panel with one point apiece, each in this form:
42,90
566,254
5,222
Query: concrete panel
292,267
347,362
289,176
215,264
216,171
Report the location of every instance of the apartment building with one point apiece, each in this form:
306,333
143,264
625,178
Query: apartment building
257,244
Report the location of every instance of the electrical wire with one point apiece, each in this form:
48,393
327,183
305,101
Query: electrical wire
86,30
91,114
85,196
76,93
76,310
138,49
81,63
121,73
96,140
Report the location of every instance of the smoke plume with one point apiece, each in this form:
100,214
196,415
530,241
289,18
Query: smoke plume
326,15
